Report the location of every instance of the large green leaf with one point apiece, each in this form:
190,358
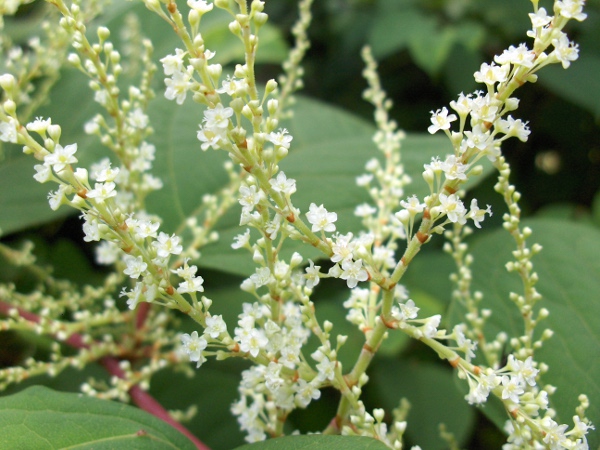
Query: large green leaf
433,397
317,442
44,419
586,92
569,281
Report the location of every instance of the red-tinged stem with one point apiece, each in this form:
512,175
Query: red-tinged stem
148,403
140,397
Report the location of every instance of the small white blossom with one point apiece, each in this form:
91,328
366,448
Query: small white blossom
167,245
320,218
178,85
353,272
441,120
312,275
491,74
193,344
215,325
283,184
477,214
102,192
61,157
280,138
39,125
241,240
453,207
8,131
135,266
217,117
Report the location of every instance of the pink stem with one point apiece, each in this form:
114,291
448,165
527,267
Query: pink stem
141,398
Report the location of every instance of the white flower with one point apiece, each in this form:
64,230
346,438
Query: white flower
8,131
143,228
441,120
280,138
200,5
137,118
491,74
513,388
178,85
540,18
233,86
167,245
107,253
211,137
364,210
571,9
193,344
454,169
39,125
524,370
320,218
103,171
478,215
102,192
261,277
342,247
241,240
217,117
173,63
190,285
215,325
135,266
453,207
90,228
353,272
283,184
305,392
412,205
565,51
312,275
58,197
43,173
326,369
250,196
61,157
430,328
512,127
520,56
252,341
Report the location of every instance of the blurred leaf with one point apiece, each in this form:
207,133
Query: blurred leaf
317,442
392,30
585,93
41,418
569,281
212,390
433,397
431,46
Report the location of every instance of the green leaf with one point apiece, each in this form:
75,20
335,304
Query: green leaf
44,419
317,442
586,92
433,397
212,390
569,281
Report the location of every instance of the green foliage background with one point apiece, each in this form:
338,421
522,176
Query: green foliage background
428,50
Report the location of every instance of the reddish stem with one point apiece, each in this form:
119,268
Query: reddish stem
140,397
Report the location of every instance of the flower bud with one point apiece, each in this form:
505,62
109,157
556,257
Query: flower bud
103,33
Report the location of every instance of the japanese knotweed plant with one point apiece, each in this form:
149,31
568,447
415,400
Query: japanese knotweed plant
155,273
